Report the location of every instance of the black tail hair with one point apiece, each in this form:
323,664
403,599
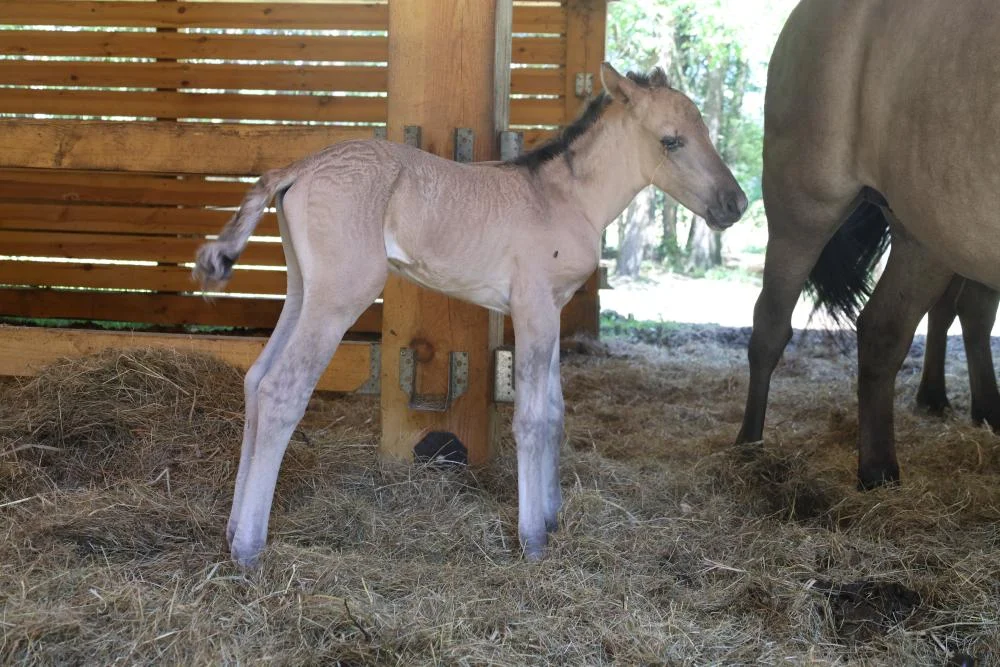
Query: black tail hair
841,281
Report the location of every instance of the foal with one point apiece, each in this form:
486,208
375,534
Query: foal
517,237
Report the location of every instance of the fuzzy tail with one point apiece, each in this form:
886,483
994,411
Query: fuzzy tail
841,281
215,259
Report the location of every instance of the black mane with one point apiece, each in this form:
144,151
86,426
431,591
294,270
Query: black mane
560,144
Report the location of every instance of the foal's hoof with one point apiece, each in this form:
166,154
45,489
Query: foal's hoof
534,554
246,556
878,476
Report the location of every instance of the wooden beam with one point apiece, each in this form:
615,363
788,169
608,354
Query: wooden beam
586,26
443,74
224,149
25,350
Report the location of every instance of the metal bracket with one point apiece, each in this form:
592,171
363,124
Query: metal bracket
381,132
511,143
412,136
373,385
584,84
464,140
458,381
503,374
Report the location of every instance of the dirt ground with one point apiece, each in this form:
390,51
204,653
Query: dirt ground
675,547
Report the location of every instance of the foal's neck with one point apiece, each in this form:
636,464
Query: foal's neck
601,173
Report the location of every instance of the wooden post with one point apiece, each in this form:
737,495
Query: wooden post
586,28
449,68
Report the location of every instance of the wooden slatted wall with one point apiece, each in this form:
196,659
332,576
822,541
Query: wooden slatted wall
126,126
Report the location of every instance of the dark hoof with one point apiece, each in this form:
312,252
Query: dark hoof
961,660
877,477
935,406
980,417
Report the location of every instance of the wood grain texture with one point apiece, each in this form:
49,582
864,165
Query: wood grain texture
224,149
443,77
167,310
258,15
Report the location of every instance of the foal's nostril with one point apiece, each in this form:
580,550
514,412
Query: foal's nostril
736,203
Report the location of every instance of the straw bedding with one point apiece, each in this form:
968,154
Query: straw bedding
675,547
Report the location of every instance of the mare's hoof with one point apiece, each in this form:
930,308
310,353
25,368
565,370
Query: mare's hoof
935,406
877,477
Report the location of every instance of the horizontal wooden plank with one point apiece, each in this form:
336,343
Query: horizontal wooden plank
538,51
26,350
539,19
170,104
523,80
181,46
537,111
168,220
164,278
178,45
124,247
534,138
299,16
536,81
223,76
65,185
228,149
166,310
280,15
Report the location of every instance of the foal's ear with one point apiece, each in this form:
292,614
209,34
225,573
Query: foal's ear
619,87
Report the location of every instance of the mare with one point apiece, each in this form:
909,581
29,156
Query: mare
518,237
885,113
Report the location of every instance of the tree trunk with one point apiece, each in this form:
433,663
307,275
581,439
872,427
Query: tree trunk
631,247
670,249
704,245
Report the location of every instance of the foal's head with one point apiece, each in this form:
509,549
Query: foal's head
675,151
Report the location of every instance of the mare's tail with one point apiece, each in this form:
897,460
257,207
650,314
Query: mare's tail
841,280
214,263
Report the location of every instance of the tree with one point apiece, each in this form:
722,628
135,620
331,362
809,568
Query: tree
701,46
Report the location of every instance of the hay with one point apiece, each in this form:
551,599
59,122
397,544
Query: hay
676,547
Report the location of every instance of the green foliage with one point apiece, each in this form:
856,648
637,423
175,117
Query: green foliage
716,52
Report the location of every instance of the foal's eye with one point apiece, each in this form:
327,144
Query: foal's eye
672,143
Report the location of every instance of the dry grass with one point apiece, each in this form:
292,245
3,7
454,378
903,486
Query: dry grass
675,547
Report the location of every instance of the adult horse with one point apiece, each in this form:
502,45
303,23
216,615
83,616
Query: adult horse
975,305
517,237
877,112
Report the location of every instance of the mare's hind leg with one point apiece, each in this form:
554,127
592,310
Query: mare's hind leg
798,229
932,396
286,323
538,415
977,310
910,284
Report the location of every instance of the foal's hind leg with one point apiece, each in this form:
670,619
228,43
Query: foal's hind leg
977,310
910,284
932,396
286,323
343,268
798,228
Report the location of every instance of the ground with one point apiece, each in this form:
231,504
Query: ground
674,546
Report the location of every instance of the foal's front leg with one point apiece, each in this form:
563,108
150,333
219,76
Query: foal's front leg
538,415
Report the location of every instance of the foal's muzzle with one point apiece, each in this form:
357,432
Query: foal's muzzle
728,209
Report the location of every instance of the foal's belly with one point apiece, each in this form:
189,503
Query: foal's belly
469,280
